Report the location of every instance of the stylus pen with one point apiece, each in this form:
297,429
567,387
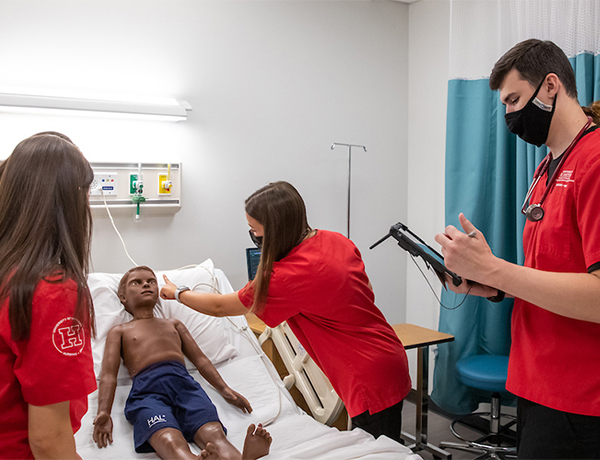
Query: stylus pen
472,234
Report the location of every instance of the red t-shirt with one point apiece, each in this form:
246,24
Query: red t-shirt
53,366
321,289
554,360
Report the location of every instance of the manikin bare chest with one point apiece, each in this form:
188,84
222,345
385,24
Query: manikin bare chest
148,341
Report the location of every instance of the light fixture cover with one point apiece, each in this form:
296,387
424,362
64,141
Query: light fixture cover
177,111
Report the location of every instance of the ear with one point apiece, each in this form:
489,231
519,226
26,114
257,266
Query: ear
552,84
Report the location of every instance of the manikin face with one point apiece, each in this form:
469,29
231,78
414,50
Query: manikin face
141,289
255,226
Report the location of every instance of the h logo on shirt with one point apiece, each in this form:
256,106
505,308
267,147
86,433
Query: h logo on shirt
68,336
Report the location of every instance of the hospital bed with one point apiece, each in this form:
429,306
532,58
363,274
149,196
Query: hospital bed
236,353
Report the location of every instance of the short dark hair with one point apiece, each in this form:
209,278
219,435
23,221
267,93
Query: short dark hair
534,59
125,278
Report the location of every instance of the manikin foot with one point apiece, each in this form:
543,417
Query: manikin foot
257,443
209,452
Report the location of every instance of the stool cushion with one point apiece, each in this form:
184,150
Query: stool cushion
484,372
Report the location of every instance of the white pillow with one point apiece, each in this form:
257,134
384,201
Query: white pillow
207,331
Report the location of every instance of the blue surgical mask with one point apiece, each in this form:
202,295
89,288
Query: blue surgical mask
532,122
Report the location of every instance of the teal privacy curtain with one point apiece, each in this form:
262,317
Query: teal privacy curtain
488,171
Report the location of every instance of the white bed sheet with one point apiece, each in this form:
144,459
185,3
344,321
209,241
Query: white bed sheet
295,434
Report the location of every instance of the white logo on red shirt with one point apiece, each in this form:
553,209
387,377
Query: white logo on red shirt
565,178
68,336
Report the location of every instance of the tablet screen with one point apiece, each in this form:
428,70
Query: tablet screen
426,249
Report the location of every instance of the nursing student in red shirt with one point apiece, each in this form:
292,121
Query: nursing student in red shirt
46,313
316,281
554,359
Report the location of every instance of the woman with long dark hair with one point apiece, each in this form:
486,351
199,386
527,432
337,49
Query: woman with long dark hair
316,281
46,311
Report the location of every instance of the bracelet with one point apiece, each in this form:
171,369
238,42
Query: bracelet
179,290
498,297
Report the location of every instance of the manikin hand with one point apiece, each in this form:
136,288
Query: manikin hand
236,399
103,427
167,292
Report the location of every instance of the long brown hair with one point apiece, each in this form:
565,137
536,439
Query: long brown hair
280,209
593,110
45,224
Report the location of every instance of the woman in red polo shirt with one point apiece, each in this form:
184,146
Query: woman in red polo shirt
46,313
316,281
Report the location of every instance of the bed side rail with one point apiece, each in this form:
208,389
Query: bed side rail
323,402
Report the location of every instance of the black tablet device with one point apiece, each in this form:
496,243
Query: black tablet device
252,261
415,246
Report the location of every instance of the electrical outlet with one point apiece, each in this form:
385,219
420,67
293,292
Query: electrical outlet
164,185
104,183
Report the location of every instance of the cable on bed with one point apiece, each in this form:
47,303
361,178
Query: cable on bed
243,331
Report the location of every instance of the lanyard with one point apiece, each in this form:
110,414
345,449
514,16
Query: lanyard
534,212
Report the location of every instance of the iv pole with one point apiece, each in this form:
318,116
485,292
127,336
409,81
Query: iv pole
333,146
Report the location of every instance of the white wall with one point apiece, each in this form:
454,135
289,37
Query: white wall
428,92
429,32
272,84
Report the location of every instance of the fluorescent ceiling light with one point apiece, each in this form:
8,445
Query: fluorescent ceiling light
166,110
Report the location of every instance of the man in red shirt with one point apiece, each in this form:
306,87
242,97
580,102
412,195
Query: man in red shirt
554,359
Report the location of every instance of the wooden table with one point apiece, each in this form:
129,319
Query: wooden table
411,336
421,338
255,323
258,327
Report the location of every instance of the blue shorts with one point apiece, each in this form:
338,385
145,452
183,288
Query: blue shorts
165,395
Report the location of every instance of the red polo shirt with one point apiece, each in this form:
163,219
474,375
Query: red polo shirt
53,366
321,289
554,360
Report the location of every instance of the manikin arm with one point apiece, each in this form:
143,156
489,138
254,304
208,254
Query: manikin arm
108,385
208,370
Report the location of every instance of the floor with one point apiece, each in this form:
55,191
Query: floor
438,430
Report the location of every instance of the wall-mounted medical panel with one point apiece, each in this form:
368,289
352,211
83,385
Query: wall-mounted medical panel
116,185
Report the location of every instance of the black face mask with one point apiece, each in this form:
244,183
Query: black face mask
257,240
532,122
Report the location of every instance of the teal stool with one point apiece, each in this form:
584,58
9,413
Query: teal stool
487,373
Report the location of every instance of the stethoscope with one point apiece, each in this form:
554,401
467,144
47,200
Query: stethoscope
535,212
